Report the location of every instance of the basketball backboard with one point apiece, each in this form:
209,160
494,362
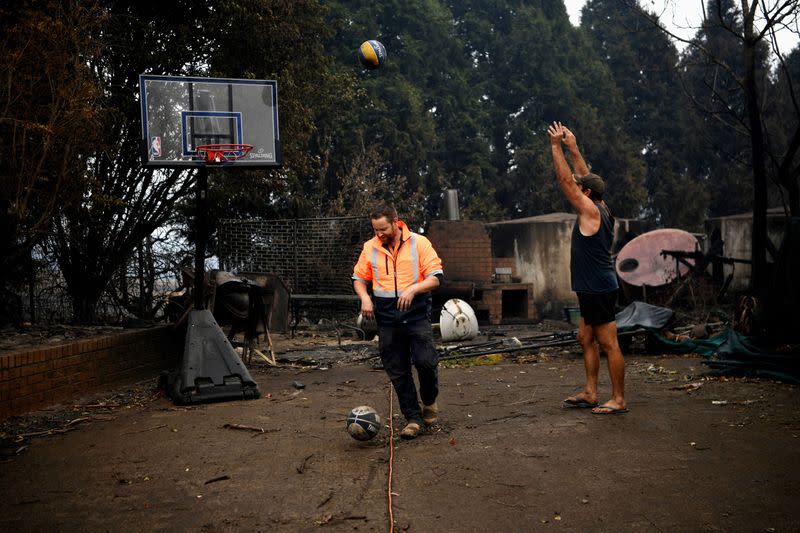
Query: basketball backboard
181,113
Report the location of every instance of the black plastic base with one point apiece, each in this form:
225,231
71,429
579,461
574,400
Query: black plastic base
211,370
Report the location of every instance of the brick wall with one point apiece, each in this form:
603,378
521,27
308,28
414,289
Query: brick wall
465,249
505,262
47,375
498,303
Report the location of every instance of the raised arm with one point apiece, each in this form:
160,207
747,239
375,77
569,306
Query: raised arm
588,215
581,168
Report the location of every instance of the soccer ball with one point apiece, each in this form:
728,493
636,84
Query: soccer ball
363,423
371,54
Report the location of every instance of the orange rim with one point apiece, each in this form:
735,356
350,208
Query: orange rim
222,153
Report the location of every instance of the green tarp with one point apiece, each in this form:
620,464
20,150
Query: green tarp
728,352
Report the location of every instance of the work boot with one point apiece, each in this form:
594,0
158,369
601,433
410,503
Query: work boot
430,413
411,431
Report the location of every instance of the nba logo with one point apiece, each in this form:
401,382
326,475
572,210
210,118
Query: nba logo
155,146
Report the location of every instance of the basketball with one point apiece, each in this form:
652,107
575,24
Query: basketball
371,54
363,423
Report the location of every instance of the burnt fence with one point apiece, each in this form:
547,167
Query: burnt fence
136,291
311,256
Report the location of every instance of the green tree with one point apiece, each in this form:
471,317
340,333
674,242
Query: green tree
282,41
527,83
398,116
125,203
657,115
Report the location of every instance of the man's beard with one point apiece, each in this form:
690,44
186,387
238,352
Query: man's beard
388,239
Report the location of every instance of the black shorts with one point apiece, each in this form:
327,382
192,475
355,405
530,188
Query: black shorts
597,309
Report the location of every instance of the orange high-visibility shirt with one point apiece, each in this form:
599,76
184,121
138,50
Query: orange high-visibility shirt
392,272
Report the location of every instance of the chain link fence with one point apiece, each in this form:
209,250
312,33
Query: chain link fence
314,257
311,256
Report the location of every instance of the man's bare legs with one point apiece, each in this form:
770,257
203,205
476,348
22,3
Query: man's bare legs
591,363
606,336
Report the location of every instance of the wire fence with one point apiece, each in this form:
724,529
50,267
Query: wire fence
137,291
311,256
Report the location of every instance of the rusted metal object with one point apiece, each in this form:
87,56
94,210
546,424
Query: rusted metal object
252,303
645,272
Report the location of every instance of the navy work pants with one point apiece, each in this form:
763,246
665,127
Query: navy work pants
401,346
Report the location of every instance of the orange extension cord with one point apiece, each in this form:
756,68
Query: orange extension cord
391,456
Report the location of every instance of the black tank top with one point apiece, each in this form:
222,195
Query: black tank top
591,266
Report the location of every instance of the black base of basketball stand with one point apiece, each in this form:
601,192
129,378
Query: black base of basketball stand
211,369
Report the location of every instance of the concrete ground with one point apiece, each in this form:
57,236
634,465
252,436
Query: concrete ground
693,454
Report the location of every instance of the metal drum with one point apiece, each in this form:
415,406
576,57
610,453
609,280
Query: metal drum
648,275
457,321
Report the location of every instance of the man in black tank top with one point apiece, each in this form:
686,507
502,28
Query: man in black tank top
594,279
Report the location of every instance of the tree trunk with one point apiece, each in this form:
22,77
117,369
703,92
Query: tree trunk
84,305
31,287
789,179
758,279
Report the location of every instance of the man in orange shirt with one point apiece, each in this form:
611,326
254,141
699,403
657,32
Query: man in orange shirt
402,268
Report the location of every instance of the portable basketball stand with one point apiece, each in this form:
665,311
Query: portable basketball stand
211,369
194,122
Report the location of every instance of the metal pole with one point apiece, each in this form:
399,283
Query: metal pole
451,204
200,228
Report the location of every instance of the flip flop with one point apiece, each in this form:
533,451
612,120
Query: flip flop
579,403
608,410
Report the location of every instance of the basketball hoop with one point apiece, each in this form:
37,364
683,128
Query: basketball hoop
222,153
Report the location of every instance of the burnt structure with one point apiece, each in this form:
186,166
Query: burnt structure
489,284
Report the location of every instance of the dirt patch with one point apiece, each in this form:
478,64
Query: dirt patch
693,454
